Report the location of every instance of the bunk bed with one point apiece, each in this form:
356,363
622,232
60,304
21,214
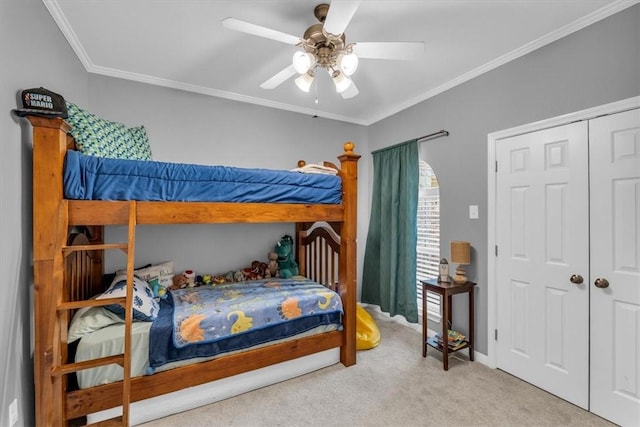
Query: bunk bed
68,272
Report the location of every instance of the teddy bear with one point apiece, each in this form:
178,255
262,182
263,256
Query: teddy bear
185,280
272,266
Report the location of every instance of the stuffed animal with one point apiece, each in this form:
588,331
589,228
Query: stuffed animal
238,276
179,282
218,280
230,277
262,269
272,266
286,264
255,272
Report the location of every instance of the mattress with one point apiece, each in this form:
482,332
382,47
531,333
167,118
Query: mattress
97,178
109,341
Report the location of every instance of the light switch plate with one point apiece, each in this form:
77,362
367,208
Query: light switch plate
473,212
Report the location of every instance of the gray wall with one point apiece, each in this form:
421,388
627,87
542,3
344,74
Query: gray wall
594,66
191,128
33,53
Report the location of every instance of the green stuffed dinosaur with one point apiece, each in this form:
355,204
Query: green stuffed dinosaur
287,265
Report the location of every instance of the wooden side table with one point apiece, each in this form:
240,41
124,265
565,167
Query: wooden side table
446,291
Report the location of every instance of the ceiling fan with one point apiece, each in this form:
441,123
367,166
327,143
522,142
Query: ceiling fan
324,46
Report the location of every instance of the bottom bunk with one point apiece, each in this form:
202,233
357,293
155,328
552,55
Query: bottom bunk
82,402
213,341
206,323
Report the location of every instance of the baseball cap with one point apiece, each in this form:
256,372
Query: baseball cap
42,102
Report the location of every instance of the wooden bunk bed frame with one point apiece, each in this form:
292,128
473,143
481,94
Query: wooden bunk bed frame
63,275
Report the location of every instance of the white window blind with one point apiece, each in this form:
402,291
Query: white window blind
428,245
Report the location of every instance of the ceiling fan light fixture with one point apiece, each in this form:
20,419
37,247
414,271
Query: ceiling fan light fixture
348,63
341,81
304,81
351,91
303,61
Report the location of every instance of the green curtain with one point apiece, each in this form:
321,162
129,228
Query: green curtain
389,273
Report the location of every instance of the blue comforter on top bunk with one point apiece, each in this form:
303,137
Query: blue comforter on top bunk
97,178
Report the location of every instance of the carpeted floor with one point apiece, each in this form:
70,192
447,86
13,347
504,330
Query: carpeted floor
393,385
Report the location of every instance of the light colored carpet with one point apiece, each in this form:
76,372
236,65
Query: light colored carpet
393,385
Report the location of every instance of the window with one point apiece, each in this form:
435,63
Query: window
428,247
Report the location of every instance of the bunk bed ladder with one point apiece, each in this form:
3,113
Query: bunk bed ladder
63,308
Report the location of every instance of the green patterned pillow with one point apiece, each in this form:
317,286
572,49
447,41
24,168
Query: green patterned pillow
141,141
103,138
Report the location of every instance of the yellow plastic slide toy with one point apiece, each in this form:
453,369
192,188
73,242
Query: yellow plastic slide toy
367,332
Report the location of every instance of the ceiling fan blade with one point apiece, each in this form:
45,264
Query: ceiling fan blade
389,50
339,16
257,30
351,91
279,78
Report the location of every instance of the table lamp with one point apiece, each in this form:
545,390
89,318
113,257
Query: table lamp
461,255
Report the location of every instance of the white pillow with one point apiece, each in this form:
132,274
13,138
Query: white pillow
163,272
90,319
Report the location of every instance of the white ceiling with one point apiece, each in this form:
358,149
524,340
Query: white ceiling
182,44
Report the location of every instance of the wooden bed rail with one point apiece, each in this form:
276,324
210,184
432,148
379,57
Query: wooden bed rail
348,251
318,254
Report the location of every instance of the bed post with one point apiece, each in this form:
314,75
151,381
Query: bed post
348,251
49,234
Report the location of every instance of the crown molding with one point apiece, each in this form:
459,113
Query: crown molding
60,19
156,81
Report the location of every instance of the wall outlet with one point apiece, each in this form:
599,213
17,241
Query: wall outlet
13,412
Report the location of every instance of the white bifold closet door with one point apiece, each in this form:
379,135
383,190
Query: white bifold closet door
543,240
614,148
568,264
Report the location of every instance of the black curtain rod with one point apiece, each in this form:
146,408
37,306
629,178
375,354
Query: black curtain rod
434,135
419,139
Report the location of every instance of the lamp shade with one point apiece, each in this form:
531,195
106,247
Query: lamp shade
341,81
303,61
348,63
460,252
304,82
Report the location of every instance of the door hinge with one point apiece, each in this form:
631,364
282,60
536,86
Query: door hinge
496,166
496,250
495,333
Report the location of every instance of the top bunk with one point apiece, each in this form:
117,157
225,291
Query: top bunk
101,191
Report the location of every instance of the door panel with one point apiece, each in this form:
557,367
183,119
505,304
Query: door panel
615,245
542,237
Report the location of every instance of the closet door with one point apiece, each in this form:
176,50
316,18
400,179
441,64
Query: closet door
543,247
614,147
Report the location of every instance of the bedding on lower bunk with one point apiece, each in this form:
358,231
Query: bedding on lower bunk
197,324
99,178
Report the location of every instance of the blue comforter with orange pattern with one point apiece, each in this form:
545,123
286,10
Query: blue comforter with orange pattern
209,320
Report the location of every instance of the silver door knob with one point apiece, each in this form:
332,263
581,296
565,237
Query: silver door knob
601,283
576,278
